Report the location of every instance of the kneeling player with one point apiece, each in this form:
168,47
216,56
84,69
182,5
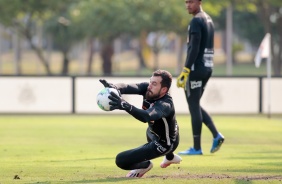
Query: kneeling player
158,111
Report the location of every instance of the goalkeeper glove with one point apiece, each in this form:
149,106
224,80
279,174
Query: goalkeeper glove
182,78
118,103
106,84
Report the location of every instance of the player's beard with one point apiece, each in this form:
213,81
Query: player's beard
151,96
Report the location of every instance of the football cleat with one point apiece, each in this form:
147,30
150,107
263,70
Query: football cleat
217,142
138,173
176,160
191,151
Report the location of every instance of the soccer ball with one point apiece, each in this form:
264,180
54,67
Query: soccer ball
103,100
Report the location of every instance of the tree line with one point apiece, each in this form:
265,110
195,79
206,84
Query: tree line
68,22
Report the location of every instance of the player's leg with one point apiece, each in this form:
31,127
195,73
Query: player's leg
150,136
138,173
138,160
193,96
135,158
207,120
218,138
196,116
170,157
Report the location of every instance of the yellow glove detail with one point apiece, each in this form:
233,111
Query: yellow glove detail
182,78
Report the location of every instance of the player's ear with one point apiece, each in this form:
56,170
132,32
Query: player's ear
164,90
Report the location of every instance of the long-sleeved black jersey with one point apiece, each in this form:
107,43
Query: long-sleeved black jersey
200,43
159,114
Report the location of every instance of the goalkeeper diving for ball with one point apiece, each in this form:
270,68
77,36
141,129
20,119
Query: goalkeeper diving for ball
159,113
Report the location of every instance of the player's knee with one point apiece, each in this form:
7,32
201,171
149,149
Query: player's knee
120,162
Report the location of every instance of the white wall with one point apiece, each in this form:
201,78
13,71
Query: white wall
232,95
222,95
87,89
274,99
35,95
54,95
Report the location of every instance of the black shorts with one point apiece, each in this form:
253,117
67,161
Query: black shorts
197,81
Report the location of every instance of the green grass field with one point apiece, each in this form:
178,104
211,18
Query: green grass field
82,149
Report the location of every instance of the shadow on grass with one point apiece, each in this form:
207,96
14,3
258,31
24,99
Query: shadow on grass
78,160
99,180
103,180
248,179
237,179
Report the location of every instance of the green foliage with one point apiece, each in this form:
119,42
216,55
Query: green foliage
247,26
11,10
26,16
107,20
100,18
63,30
214,9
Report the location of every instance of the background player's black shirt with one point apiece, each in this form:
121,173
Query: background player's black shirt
159,114
200,43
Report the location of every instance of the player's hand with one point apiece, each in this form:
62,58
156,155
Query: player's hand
118,103
182,78
106,84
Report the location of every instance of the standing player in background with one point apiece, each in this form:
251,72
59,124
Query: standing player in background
196,73
158,112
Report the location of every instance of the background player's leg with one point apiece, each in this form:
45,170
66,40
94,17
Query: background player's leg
207,120
218,138
209,123
196,116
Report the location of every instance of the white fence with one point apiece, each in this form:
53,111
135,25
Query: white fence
244,95
35,95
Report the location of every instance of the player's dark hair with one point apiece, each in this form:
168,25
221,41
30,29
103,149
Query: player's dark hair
166,77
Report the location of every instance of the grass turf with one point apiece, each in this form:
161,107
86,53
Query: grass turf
82,149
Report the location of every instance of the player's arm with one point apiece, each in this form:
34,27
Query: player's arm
148,115
194,44
127,88
139,88
192,53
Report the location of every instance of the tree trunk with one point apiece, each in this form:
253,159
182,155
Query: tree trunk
278,67
142,46
265,12
17,53
229,39
65,69
179,54
1,48
156,60
140,56
90,56
38,51
107,53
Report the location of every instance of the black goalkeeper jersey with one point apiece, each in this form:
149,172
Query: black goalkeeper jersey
159,114
200,43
